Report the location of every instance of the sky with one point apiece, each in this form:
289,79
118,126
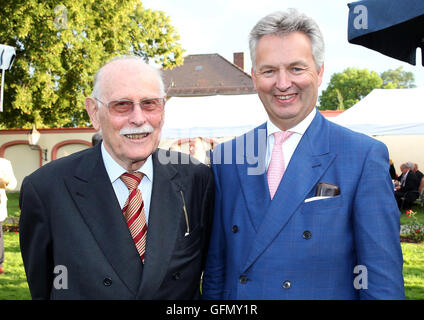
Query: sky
223,26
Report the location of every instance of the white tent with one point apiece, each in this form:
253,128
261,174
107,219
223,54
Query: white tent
386,112
212,116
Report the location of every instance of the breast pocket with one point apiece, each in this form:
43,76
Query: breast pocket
188,240
323,206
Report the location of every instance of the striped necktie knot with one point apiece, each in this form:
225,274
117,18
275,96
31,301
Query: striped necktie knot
132,180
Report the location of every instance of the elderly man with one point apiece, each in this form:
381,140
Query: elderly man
114,221
406,190
304,208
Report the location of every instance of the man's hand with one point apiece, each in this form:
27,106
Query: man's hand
3,183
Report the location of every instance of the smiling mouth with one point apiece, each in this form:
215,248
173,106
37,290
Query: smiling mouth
137,136
286,97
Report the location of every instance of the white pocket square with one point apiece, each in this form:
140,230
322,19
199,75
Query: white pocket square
316,198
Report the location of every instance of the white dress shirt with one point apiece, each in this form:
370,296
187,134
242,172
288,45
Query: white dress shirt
290,145
114,171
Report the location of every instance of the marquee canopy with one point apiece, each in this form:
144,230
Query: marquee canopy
386,112
212,116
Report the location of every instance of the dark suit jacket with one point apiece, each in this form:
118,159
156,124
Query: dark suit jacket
71,219
419,176
411,184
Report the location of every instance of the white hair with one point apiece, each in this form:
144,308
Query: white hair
97,92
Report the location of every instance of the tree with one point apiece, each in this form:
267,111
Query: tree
61,46
397,79
348,87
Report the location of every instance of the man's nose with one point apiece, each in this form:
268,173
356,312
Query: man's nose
137,116
283,80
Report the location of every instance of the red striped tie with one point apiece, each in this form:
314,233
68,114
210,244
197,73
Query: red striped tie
133,211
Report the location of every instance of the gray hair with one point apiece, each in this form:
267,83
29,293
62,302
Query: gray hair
410,165
404,166
282,23
97,93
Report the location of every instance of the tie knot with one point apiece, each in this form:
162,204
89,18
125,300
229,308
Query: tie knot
132,180
281,136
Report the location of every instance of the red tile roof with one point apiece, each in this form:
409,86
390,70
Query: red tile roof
330,113
206,74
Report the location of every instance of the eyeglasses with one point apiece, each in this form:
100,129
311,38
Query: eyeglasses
150,106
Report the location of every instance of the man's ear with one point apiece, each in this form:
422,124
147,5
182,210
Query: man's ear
252,72
320,74
93,112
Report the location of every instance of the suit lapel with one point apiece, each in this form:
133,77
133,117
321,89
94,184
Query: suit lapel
95,198
162,228
252,148
308,163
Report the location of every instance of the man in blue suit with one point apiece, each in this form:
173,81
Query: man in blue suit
329,229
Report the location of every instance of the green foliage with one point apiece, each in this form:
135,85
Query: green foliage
413,230
61,44
348,87
397,78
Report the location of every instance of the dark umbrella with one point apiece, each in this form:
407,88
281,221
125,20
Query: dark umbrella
392,27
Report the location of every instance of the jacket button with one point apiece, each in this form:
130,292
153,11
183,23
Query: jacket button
176,276
286,285
107,282
235,228
243,279
307,235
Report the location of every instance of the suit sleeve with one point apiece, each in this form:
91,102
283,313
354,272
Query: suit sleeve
35,242
376,220
214,276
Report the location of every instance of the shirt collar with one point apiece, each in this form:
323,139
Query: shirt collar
300,128
114,170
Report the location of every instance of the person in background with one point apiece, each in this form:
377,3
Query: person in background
96,138
417,172
406,189
7,182
304,207
392,170
118,220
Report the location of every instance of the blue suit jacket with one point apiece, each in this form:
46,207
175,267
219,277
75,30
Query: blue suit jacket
291,249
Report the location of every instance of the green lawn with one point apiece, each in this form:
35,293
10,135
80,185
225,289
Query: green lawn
13,204
13,284
413,270
416,208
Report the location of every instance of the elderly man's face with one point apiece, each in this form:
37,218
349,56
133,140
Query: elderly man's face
286,78
128,138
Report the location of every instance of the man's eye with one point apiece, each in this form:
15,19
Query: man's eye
296,69
268,73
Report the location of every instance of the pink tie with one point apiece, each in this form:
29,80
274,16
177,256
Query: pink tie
276,166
